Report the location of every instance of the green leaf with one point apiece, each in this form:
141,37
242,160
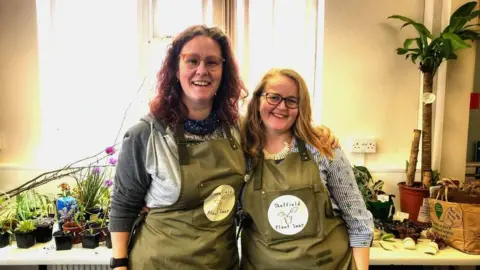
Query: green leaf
457,24
463,11
424,42
419,43
469,35
447,48
414,58
457,42
408,42
471,25
403,18
473,15
388,237
401,51
422,29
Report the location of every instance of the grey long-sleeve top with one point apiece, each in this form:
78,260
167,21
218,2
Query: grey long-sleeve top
148,172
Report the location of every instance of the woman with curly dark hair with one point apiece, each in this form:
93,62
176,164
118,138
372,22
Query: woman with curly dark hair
184,162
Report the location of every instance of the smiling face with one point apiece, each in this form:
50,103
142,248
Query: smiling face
278,119
199,73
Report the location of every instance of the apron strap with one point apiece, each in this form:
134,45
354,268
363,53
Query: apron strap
183,156
136,224
258,173
231,139
302,150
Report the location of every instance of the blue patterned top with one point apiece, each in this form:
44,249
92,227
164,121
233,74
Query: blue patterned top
347,201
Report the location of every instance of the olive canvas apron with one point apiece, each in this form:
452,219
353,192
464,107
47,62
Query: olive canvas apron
292,222
198,231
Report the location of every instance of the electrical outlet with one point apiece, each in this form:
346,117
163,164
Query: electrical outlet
363,145
356,146
369,145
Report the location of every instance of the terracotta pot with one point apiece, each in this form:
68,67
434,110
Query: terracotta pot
411,199
75,229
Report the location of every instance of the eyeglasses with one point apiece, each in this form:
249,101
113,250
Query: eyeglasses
275,99
192,61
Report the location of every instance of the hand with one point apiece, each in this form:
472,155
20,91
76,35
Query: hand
121,268
145,209
332,140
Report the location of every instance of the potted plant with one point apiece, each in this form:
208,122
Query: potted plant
77,225
44,229
371,190
25,234
90,189
67,207
98,226
430,52
5,232
63,240
90,238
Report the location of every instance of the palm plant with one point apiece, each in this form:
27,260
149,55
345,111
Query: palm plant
431,52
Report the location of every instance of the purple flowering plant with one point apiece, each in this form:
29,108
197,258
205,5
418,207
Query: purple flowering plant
95,182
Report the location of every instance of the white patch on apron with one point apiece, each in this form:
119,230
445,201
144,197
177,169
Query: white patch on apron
288,214
220,203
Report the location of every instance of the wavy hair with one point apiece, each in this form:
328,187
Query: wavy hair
167,103
253,128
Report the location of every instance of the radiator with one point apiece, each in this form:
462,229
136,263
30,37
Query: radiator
78,267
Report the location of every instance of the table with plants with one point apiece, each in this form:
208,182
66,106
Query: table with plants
442,240
31,233
70,227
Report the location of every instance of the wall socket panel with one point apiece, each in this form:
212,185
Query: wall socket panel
363,145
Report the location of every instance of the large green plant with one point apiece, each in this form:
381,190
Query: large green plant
430,52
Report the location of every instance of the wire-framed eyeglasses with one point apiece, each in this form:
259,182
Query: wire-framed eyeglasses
275,99
192,61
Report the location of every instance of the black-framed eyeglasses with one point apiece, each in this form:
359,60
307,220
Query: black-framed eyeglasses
192,61
275,99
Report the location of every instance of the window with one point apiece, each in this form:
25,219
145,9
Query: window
280,33
162,20
94,55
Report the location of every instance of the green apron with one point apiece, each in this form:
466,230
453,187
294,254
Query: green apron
292,224
198,231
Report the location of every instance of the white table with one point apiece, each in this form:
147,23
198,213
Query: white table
400,256
45,254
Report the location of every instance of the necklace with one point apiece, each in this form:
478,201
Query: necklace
280,155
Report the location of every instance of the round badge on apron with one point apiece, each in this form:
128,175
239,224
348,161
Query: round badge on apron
288,214
220,203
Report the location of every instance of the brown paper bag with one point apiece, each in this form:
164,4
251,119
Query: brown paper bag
458,223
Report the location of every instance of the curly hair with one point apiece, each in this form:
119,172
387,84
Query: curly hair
253,129
167,103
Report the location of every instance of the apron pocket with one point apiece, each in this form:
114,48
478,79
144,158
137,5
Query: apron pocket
289,214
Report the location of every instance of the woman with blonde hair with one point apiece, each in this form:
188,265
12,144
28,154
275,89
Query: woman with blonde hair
301,204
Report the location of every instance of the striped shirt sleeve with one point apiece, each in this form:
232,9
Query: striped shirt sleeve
338,177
